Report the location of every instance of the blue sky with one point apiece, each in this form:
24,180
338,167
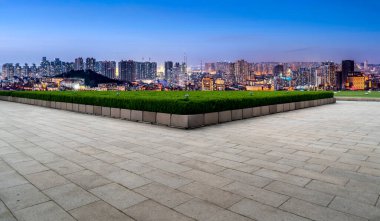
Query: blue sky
208,30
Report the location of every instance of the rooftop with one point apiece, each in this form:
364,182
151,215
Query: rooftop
320,163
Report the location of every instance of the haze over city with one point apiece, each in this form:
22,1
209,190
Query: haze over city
203,30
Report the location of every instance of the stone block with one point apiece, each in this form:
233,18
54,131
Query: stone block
273,109
115,112
179,121
247,113
300,105
57,104
126,114
237,114
106,111
63,106
280,108
211,118
195,121
52,103
292,106
69,106
225,116
136,115
149,117
306,104
286,107
256,111
82,108
98,110
264,110
163,119
89,109
76,107
315,103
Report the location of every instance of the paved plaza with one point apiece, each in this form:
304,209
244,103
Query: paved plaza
320,163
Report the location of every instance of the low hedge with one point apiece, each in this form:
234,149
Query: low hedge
175,102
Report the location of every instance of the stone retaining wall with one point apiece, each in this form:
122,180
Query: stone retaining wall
174,120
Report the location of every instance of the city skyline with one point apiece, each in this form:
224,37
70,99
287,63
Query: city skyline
282,31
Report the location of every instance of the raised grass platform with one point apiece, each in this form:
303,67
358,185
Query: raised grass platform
175,109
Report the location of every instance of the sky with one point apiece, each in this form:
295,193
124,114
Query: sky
208,30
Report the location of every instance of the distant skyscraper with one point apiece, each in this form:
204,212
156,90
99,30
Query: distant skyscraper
108,69
242,71
79,66
146,70
328,74
44,67
57,67
168,70
366,65
90,64
278,70
127,70
8,71
348,66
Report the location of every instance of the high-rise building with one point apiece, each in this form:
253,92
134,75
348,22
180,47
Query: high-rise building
44,67
278,70
210,67
127,70
90,64
328,74
168,70
18,70
79,66
8,71
57,67
365,65
242,71
108,69
146,70
25,71
348,66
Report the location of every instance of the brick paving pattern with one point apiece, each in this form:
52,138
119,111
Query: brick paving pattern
319,164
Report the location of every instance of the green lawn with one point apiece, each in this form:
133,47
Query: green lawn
373,94
175,102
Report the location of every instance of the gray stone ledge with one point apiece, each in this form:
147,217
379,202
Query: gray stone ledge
273,109
82,108
106,111
247,113
175,120
264,110
286,107
225,116
98,110
280,108
237,114
195,121
125,114
115,112
211,118
163,119
89,109
179,121
149,117
69,106
76,107
136,115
